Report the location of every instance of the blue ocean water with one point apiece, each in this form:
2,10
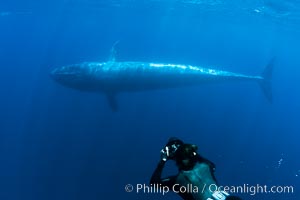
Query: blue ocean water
58,143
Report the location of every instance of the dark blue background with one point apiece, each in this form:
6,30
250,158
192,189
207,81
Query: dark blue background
56,143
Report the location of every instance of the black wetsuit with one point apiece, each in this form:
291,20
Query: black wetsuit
200,175
181,178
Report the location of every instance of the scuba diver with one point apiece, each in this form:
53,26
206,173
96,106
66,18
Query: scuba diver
194,170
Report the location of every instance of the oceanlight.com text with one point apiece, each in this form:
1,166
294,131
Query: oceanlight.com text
253,189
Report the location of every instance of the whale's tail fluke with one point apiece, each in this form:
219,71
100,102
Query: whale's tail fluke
266,82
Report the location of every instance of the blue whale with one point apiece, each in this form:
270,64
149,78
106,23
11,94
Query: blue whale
113,77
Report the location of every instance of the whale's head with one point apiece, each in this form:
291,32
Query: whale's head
75,76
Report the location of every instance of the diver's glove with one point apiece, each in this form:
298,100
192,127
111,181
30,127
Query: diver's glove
219,195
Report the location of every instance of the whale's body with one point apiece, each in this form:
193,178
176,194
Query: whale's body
135,76
113,77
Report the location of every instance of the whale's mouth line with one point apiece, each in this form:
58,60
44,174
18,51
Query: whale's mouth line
58,72
65,73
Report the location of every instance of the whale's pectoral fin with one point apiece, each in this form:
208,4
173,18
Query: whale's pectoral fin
111,97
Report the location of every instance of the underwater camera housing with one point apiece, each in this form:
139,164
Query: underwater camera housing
171,147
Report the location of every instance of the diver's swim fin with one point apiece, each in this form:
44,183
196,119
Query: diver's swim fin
266,82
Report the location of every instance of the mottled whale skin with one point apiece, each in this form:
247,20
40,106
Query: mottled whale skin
113,77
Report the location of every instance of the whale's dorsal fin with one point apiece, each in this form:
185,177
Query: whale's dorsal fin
113,104
113,52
